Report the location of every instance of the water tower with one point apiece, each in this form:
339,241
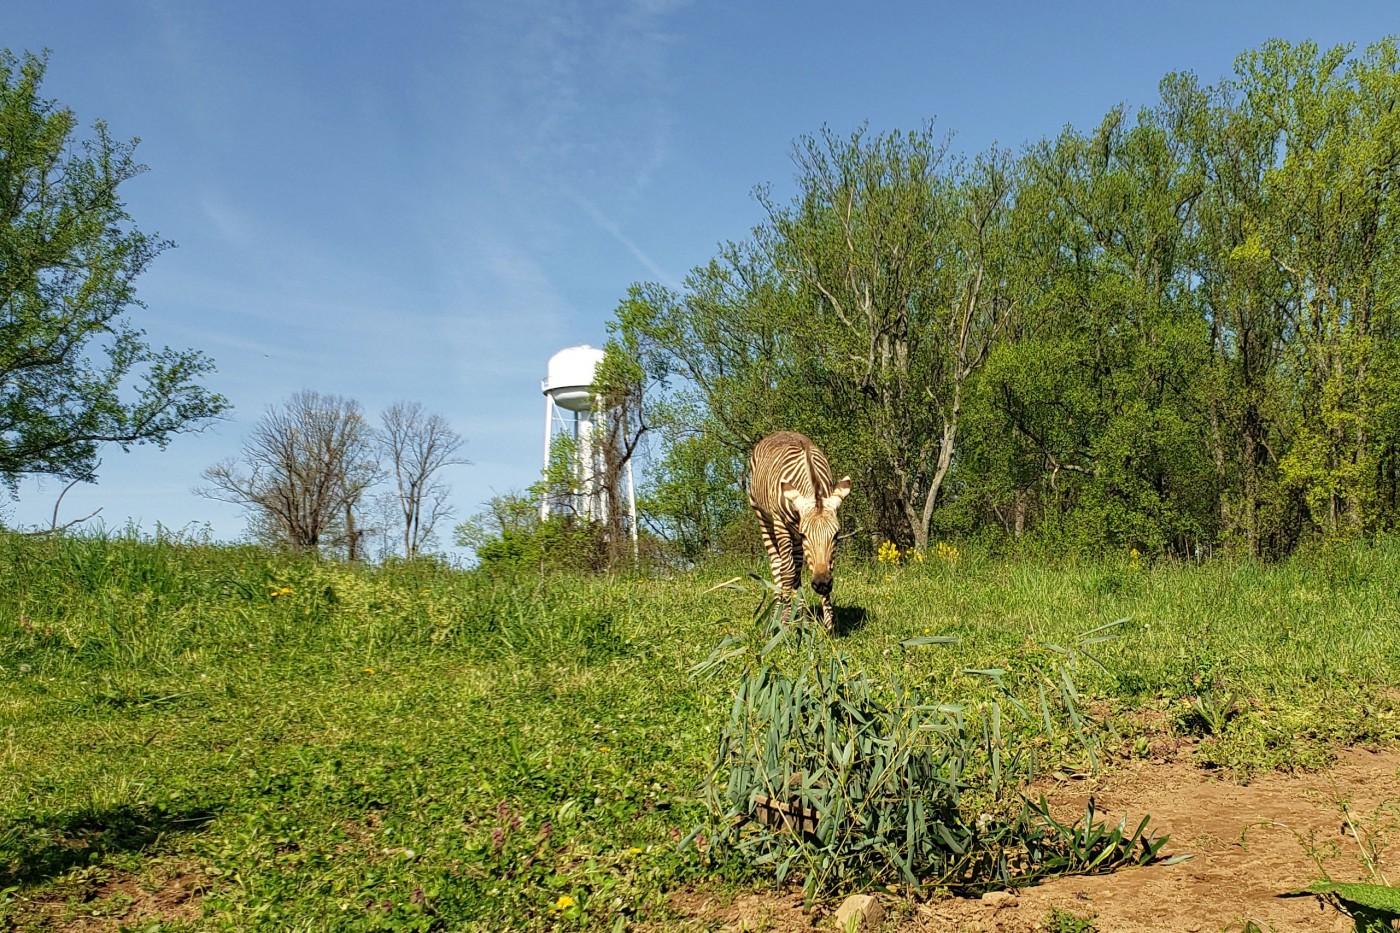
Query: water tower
568,389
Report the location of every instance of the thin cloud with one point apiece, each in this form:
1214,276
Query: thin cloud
608,225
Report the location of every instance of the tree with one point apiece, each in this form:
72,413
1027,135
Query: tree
725,345
510,535
1244,298
695,496
901,263
74,372
1175,331
1329,231
418,446
308,464
721,366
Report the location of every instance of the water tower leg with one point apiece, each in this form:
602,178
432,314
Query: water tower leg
548,437
598,463
584,465
632,507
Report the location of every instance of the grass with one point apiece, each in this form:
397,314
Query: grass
289,744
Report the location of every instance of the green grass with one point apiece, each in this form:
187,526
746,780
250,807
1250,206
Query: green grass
412,747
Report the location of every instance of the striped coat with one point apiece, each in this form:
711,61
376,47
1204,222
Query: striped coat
792,493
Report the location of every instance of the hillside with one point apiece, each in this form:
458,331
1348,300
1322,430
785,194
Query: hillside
200,737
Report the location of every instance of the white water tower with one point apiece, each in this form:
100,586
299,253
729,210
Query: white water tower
568,389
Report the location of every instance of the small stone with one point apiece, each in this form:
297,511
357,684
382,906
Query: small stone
999,899
866,910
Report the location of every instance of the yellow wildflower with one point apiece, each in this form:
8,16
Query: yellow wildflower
564,902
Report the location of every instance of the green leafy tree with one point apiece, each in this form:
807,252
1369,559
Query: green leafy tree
726,343
695,496
1175,331
718,365
899,260
509,536
1243,297
1099,377
1329,229
75,373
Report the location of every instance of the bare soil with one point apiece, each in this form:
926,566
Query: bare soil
109,901
1249,844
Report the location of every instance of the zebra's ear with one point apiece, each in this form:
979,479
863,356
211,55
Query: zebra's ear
842,489
788,491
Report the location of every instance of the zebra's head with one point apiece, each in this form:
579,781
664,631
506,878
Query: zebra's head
818,524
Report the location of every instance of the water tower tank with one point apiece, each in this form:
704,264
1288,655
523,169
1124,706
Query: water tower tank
570,376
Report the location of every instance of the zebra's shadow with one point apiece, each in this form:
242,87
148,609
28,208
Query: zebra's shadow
849,619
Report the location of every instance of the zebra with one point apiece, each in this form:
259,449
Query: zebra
791,492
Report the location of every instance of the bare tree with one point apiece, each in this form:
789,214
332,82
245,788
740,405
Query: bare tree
304,470
417,446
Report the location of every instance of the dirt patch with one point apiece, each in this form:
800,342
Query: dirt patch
1248,844
101,901
749,913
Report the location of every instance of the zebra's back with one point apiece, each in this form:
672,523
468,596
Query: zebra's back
786,457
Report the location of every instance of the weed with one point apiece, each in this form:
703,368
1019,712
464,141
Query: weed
1059,920
1374,905
1210,710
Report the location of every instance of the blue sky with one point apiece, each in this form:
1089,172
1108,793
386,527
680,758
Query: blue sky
425,200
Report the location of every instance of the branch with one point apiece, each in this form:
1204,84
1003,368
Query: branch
54,527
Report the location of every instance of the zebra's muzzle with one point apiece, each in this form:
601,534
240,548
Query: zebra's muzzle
822,584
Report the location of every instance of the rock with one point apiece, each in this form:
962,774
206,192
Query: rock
999,899
864,909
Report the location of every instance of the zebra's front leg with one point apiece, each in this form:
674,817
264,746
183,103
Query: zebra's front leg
792,583
828,614
779,546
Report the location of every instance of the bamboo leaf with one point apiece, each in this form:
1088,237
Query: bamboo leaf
931,640
1103,628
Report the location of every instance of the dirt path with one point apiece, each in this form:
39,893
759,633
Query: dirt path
1248,845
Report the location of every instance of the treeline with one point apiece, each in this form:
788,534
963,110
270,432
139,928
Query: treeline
313,473
1177,332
